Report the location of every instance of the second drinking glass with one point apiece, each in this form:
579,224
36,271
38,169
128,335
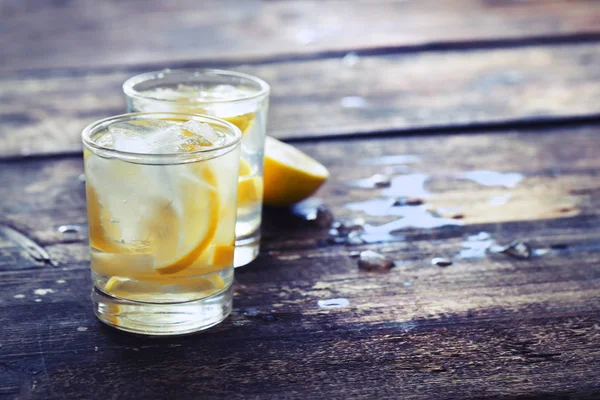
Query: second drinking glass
235,97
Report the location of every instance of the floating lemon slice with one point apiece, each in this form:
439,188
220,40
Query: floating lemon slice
174,236
142,289
244,122
250,190
191,234
290,175
245,168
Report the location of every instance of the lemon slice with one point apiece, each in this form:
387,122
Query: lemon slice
245,167
147,289
101,233
174,235
189,235
244,122
222,255
250,190
290,175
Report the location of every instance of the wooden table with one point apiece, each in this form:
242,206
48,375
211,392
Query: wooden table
430,94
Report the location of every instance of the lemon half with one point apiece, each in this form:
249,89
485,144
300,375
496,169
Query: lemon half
290,175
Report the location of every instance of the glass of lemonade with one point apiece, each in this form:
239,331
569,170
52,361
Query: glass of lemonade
161,197
235,97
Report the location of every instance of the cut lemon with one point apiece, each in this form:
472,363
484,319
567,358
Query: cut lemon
148,289
244,122
176,232
191,234
245,168
102,231
250,190
113,282
222,255
290,175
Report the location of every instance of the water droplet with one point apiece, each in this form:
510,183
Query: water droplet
354,102
354,254
345,226
61,281
516,249
306,37
540,252
81,178
441,262
410,185
313,210
43,292
375,181
82,329
479,237
69,229
493,178
476,246
355,238
252,312
333,303
373,261
350,59
38,300
19,296
499,200
407,201
407,283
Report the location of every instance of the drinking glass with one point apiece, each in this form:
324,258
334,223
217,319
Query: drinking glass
235,97
161,197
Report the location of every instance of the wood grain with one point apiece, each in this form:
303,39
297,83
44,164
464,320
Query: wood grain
555,170
379,94
485,327
91,34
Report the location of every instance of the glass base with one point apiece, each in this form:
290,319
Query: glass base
162,318
246,249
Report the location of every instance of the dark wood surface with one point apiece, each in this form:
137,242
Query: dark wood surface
495,130
86,34
383,93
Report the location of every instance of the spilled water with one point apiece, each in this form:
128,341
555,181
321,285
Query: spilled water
350,59
405,195
333,303
476,246
492,178
419,216
354,102
499,200
375,181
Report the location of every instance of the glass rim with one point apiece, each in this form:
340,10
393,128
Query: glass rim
130,91
91,129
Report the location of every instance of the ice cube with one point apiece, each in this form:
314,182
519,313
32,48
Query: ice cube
228,92
163,137
204,133
137,136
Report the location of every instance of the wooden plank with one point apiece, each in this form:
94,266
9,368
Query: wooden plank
552,172
486,326
500,328
92,34
44,115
